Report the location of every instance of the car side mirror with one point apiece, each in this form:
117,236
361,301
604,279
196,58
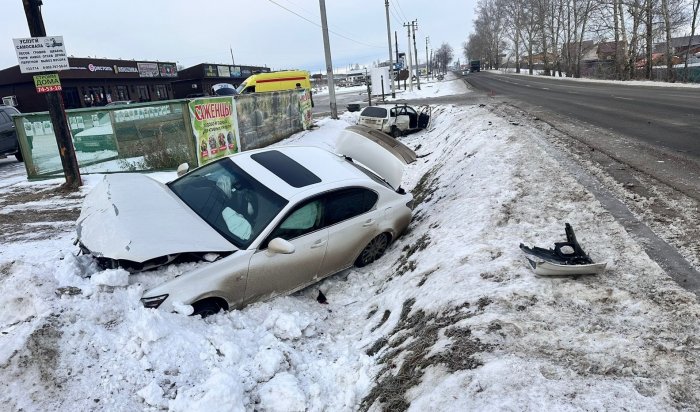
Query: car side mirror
182,169
279,245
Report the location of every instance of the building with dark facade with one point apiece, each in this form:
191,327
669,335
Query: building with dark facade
94,82
198,80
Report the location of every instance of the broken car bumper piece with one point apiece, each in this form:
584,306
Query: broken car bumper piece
566,259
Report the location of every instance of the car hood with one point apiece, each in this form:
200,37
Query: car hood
133,217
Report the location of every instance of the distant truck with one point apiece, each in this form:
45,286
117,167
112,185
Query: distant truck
475,66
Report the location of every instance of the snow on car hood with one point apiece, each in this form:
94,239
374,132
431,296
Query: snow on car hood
133,217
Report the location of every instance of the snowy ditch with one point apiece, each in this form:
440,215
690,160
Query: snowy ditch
450,318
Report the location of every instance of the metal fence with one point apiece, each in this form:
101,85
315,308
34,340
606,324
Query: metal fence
153,136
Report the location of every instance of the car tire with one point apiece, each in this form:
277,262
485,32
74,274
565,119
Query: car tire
207,307
395,132
19,157
373,251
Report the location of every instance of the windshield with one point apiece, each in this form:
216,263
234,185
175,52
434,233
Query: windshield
373,111
240,88
229,200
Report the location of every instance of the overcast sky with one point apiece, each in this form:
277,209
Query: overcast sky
260,32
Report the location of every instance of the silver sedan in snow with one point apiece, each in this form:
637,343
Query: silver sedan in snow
265,222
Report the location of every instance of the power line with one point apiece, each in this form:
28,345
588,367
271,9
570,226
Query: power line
402,13
318,25
312,13
395,16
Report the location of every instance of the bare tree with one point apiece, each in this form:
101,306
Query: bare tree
514,15
582,12
693,25
556,17
529,31
635,9
443,56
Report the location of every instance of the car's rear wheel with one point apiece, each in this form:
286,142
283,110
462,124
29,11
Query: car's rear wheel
208,307
19,157
373,251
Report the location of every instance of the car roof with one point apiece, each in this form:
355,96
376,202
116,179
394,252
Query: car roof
329,168
9,108
390,106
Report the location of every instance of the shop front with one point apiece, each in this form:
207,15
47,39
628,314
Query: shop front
95,82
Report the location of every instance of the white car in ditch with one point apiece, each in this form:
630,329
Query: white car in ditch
266,222
397,120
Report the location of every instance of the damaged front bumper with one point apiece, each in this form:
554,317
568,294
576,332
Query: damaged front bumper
566,259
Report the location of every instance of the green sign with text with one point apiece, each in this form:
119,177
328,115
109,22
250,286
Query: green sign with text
46,83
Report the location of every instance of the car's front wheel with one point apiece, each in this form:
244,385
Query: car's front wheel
373,251
395,132
208,307
19,157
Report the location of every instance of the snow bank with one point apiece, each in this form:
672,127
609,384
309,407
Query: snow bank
449,319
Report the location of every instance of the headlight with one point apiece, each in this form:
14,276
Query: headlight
153,302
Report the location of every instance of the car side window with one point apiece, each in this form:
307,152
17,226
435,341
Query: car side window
305,218
249,89
392,113
348,203
4,118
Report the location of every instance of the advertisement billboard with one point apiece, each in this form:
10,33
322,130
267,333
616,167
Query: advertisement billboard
223,71
46,83
147,69
215,127
167,69
41,54
210,71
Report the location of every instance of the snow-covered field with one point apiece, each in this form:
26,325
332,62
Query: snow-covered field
451,318
511,71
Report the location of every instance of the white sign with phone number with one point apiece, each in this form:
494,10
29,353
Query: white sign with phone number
41,54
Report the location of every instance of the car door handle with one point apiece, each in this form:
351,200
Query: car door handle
368,223
318,244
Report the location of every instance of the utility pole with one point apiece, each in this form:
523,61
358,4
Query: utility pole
414,25
410,59
32,10
396,42
391,53
431,60
427,60
329,62
231,49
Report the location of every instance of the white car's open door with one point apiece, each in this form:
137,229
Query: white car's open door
376,150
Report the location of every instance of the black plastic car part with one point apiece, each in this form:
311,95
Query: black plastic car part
564,253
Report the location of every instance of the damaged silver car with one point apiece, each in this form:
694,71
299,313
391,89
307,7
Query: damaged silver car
267,222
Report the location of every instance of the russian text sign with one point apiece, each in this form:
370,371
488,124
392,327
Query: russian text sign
41,54
46,83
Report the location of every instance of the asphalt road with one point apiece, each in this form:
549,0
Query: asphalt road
660,116
342,98
647,138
